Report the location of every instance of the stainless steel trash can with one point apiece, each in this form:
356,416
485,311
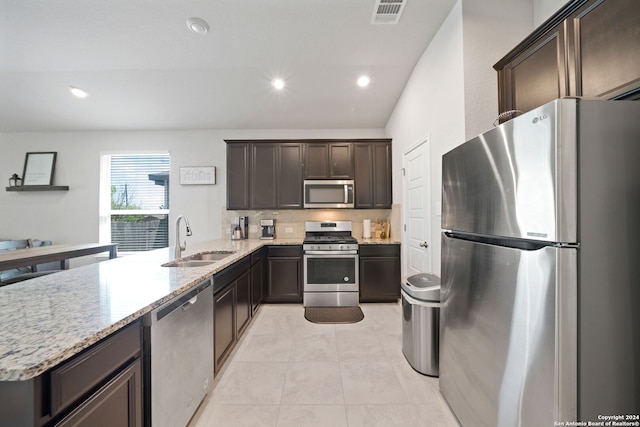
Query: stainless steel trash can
421,322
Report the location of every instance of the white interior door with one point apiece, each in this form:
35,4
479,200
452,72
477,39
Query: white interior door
416,217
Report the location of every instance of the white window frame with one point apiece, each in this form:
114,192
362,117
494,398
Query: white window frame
104,204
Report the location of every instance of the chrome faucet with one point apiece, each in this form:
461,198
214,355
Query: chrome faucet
179,248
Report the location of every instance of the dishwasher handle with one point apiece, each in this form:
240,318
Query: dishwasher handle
182,302
189,303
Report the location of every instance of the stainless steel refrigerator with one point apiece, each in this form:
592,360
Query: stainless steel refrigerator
540,315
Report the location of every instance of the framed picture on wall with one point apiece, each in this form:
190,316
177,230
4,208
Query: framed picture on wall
38,168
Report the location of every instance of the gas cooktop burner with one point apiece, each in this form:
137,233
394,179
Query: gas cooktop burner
329,236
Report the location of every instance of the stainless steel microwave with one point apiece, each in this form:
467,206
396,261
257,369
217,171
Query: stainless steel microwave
328,193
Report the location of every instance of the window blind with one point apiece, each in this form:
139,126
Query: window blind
139,186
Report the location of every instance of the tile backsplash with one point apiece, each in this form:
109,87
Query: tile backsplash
290,223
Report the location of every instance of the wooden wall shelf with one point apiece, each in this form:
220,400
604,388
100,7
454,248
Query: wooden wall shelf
39,188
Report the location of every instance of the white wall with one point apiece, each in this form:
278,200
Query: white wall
432,104
72,216
544,9
491,28
452,92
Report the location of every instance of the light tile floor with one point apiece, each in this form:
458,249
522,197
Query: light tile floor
287,371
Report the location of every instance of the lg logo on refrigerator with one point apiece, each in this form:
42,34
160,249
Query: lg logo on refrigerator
539,118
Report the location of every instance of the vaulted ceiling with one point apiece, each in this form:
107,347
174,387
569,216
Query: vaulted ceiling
144,69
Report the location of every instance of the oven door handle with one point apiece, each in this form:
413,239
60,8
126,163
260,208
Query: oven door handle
345,253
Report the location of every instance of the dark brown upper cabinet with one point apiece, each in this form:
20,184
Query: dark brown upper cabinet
372,175
589,48
329,160
264,168
238,176
269,174
264,175
290,175
536,75
604,45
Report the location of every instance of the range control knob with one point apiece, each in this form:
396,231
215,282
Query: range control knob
345,278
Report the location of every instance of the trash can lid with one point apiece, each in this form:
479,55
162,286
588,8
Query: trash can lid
422,286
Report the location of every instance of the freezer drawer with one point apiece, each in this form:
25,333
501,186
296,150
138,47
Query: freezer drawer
508,334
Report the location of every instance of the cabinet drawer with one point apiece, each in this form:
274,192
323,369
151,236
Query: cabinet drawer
231,273
258,255
285,251
83,373
379,250
117,403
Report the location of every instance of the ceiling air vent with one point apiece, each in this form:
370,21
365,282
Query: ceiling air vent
387,11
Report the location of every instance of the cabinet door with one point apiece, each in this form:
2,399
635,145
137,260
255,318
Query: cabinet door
238,176
379,273
372,175
243,302
341,160
363,161
604,40
316,161
284,274
263,176
257,284
535,76
117,403
290,176
224,324
79,375
382,176
329,160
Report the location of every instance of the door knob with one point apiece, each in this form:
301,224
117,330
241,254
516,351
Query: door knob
424,245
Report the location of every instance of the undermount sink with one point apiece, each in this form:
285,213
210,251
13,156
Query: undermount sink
210,256
199,259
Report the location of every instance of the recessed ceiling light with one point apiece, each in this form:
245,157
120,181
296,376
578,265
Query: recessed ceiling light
77,92
198,26
278,84
363,81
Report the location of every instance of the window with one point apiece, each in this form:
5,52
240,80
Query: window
134,201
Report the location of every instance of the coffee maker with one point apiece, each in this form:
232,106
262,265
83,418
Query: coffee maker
268,227
239,227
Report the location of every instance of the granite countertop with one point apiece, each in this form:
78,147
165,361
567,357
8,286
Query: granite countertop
47,320
374,241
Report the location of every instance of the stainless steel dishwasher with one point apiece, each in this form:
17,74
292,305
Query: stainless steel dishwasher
178,357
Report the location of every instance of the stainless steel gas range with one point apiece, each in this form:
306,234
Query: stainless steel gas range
330,265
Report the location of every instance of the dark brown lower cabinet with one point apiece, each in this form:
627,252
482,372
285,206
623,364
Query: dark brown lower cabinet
258,278
284,274
102,385
224,327
243,302
232,308
379,273
117,403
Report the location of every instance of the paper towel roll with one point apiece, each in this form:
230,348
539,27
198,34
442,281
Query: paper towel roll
366,228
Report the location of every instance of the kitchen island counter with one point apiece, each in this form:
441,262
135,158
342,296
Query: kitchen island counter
47,320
